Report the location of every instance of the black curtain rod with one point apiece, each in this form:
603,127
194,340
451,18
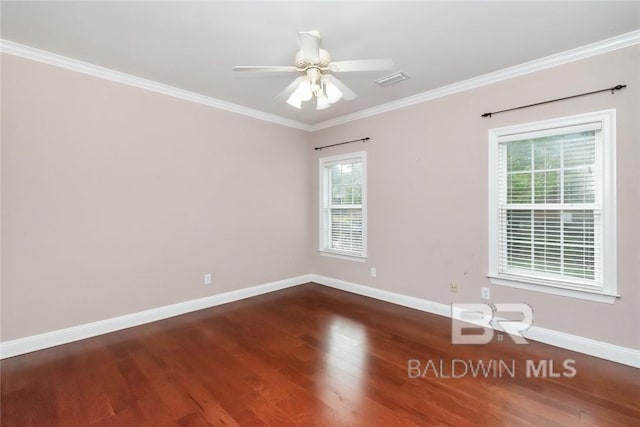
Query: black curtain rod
612,89
342,143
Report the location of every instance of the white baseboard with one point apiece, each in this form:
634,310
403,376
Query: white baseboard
603,350
388,296
615,353
88,330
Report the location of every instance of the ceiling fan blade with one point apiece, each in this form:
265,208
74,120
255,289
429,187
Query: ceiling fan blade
263,68
361,65
284,95
347,93
309,42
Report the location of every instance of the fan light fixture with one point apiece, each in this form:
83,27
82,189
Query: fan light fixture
315,86
316,68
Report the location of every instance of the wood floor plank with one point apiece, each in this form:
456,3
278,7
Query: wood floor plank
305,356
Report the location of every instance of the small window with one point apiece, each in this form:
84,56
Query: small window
343,206
552,206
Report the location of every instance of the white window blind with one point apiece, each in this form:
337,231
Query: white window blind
342,228
550,206
554,222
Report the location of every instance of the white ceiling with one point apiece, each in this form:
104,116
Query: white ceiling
193,45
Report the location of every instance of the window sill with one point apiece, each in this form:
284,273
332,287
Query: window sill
579,293
343,256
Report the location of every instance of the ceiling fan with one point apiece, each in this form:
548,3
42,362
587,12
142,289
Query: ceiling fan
316,81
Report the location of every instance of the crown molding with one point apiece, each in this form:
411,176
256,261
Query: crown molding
583,52
16,49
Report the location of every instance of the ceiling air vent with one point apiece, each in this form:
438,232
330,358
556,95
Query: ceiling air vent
392,79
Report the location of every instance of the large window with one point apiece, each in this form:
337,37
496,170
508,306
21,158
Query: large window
342,205
552,206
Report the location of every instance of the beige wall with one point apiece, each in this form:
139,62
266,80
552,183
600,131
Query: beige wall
116,199
427,188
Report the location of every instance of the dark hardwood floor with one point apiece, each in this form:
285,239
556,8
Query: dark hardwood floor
307,356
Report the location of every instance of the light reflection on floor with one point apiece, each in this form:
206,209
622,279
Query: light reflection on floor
342,382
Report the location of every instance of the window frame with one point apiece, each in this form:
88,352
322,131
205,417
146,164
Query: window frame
324,162
608,291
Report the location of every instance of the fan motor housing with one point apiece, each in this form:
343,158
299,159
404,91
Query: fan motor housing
303,63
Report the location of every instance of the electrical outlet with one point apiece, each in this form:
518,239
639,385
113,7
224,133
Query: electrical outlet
486,293
453,286
373,272
207,279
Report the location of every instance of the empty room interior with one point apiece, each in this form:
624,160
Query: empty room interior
320,213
